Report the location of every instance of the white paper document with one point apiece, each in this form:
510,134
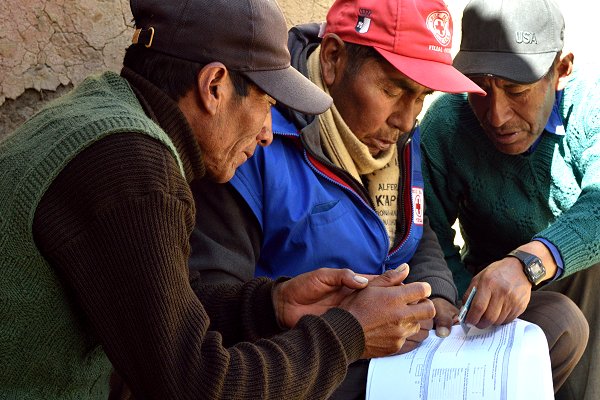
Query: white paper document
508,362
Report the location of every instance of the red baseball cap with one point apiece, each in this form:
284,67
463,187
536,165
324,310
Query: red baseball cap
415,36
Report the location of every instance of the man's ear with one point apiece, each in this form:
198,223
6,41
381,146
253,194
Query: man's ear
564,69
333,58
212,86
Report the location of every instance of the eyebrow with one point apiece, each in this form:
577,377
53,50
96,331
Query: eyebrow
507,84
511,85
403,84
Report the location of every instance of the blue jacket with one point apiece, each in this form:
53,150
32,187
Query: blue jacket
288,210
326,222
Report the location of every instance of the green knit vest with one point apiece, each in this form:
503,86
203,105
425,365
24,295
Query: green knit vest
46,348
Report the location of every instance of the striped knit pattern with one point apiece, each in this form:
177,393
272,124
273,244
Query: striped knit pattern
502,200
45,351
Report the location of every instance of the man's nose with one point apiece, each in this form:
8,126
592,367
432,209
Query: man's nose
499,110
265,137
404,116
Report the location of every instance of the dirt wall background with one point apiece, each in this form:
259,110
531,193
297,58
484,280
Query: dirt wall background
48,46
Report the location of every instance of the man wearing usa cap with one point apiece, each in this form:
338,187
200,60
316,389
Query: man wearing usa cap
96,213
520,170
344,189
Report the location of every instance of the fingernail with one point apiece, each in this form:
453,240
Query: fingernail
442,331
402,267
360,279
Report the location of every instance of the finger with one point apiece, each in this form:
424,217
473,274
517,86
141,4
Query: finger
513,313
504,314
335,277
423,310
369,277
415,293
421,335
492,313
427,324
392,277
511,317
479,305
408,346
443,322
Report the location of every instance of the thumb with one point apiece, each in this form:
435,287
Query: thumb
345,277
392,277
443,324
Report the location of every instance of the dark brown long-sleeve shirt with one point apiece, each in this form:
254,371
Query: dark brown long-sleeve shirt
115,225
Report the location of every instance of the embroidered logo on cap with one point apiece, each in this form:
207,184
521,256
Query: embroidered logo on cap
364,22
525,37
438,22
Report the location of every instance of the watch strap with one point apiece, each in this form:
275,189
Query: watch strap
527,259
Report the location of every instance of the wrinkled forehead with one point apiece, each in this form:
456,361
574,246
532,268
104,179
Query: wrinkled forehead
397,78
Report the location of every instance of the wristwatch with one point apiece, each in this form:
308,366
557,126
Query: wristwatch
532,265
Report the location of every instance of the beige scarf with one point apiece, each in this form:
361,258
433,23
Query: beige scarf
380,175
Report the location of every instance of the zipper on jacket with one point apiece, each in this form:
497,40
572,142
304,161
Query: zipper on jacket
408,180
405,158
341,175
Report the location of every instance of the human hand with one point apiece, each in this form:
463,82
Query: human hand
390,312
503,293
446,315
313,292
414,341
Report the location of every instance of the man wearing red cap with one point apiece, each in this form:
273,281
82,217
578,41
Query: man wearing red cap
96,212
344,189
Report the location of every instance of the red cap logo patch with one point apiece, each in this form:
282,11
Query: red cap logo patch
364,22
438,22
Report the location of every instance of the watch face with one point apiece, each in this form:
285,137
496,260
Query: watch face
536,270
532,266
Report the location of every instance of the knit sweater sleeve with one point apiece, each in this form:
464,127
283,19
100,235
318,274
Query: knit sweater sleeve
115,225
442,190
576,232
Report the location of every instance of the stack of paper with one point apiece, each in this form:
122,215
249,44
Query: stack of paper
508,362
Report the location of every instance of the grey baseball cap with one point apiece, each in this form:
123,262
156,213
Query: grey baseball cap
513,39
248,36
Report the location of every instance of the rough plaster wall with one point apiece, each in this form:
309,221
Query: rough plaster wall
48,46
301,11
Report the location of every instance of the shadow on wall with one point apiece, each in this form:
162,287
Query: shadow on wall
14,112
61,48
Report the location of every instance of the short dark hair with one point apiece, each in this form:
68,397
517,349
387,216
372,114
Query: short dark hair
357,56
174,76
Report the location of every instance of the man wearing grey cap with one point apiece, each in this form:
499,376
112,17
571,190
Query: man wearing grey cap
96,212
520,170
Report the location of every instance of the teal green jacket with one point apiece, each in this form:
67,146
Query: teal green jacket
46,351
503,201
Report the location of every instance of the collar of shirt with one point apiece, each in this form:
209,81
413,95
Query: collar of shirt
555,123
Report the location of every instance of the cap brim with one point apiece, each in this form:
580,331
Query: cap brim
292,89
522,68
431,74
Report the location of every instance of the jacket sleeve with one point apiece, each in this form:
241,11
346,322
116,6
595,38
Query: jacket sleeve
119,241
225,242
428,265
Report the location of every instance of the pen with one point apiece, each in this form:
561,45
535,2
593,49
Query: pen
464,310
